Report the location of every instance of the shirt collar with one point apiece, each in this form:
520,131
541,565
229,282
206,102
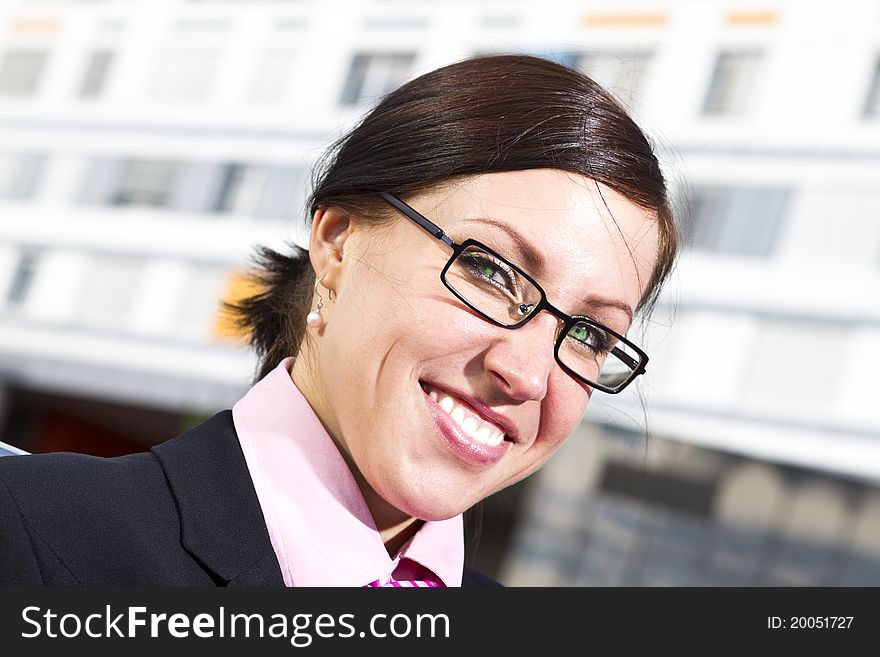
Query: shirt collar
319,524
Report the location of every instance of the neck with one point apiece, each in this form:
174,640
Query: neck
395,528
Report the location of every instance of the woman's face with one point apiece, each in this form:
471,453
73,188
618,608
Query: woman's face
394,334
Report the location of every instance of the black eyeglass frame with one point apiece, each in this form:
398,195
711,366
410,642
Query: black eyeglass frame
568,321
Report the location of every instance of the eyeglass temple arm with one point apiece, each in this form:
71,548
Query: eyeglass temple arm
626,358
421,220
629,360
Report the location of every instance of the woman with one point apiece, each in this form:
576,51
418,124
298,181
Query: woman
479,245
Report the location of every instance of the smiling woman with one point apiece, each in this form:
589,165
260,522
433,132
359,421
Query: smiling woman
479,246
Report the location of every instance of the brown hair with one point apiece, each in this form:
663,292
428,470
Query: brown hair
479,115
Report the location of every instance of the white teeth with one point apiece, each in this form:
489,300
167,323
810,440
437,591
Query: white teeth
483,435
457,414
473,426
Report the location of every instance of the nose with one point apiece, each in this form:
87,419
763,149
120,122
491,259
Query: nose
521,359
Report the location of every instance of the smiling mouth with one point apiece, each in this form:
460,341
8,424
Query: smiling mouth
466,418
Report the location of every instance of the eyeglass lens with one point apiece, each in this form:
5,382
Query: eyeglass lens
499,291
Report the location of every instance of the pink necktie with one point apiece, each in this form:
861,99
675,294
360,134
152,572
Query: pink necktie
403,583
408,574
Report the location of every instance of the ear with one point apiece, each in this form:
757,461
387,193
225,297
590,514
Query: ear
331,227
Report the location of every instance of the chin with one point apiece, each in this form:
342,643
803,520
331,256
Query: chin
430,507
439,515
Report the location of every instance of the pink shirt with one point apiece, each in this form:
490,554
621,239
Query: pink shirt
319,524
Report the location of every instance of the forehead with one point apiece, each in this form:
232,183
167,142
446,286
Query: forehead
590,238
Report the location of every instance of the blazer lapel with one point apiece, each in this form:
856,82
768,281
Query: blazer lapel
221,522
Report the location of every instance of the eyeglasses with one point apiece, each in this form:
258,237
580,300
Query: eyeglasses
506,296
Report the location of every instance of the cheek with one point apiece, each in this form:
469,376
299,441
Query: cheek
563,408
379,332
372,312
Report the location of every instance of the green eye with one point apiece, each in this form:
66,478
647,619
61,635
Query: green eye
580,332
483,269
590,338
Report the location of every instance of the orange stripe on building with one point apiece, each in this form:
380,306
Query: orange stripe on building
751,18
625,20
34,25
238,288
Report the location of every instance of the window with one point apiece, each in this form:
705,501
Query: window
741,221
388,21
108,294
271,78
20,174
500,21
22,277
95,76
196,186
180,186
260,190
622,73
255,190
145,183
733,81
795,368
185,74
669,489
201,308
872,101
372,75
20,72
240,189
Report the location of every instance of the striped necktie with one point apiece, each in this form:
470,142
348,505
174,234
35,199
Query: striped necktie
408,574
403,583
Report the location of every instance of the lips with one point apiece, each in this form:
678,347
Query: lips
468,422
463,442
473,416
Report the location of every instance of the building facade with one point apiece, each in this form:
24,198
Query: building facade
147,148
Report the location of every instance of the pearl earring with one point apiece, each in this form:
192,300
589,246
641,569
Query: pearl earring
314,318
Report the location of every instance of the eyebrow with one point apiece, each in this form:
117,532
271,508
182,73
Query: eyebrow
602,302
535,261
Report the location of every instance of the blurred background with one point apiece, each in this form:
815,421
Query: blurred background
147,147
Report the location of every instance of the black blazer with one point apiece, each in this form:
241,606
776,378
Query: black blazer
184,514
